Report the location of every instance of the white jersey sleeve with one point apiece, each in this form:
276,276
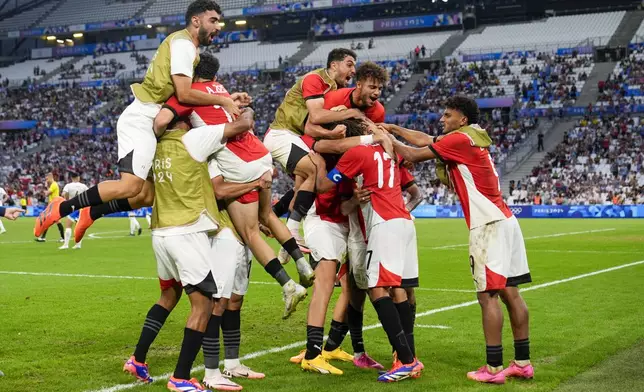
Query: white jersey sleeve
213,169
204,141
182,56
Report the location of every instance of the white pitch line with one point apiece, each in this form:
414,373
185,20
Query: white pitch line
291,346
151,278
94,276
445,290
529,238
432,326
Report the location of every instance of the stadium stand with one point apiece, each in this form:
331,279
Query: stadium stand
553,33
638,37
253,55
25,19
540,81
72,12
178,7
624,85
601,161
385,48
27,70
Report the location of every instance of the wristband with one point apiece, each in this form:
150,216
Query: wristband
366,139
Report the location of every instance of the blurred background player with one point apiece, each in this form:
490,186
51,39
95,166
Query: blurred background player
71,190
135,227
53,193
497,250
3,199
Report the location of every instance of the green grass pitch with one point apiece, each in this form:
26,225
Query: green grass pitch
64,332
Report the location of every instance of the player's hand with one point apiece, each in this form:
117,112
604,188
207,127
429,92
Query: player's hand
266,180
338,108
408,165
243,98
338,132
248,115
388,145
356,113
267,232
362,195
387,127
231,107
317,159
13,213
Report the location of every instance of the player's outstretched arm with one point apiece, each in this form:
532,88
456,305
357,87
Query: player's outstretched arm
360,195
415,197
319,132
243,123
416,138
162,120
412,154
189,96
11,213
318,115
230,190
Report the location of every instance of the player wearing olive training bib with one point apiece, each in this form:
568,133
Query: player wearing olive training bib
185,214
170,73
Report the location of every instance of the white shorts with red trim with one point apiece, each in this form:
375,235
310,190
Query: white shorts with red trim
186,259
286,147
392,255
327,240
497,255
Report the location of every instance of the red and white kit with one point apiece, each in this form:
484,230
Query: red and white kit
391,256
241,159
497,251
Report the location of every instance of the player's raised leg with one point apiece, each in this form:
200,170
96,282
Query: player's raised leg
245,218
281,233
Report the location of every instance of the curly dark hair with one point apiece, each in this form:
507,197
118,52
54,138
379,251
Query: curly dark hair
338,54
208,67
465,105
371,70
198,7
354,126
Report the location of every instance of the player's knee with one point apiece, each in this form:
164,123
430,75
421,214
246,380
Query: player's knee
220,306
488,298
305,168
131,186
235,302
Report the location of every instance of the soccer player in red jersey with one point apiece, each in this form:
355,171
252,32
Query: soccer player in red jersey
497,250
370,80
391,249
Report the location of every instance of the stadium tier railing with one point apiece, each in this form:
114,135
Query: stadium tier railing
544,47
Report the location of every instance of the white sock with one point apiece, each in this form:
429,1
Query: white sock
2,226
132,225
231,363
79,244
212,373
293,226
68,235
149,219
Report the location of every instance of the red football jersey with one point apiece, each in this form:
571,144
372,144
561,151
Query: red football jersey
381,175
245,146
406,178
472,172
375,113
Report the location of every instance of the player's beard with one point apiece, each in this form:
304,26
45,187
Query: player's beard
204,36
